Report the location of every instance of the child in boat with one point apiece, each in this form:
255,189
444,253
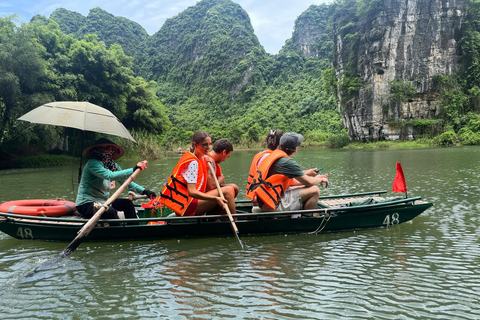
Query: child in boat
272,140
99,176
185,191
280,184
221,150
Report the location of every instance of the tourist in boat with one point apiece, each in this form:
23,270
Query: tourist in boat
98,178
281,185
221,150
272,140
185,191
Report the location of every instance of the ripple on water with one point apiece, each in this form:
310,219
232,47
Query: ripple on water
422,270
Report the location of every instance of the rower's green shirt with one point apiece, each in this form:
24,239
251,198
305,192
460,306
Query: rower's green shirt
95,182
287,167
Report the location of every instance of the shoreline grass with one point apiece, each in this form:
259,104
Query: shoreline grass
155,153
37,161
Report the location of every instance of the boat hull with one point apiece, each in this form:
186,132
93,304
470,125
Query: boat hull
331,219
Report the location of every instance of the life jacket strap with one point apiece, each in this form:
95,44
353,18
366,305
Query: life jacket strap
173,189
263,184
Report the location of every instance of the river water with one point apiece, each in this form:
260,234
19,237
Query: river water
423,269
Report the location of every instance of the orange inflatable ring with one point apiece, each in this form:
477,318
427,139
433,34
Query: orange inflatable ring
39,207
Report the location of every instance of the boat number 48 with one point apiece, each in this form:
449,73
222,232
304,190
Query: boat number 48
391,219
25,233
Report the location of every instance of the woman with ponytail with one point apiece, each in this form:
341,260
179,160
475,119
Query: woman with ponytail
272,140
185,191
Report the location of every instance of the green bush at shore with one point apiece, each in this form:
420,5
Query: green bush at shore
38,161
153,147
150,149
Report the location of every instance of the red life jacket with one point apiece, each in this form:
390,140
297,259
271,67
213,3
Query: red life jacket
270,189
175,192
251,173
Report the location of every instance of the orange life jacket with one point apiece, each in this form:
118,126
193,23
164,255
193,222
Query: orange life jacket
270,189
251,173
175,193
218,169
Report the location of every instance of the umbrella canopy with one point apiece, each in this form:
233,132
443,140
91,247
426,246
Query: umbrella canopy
80,115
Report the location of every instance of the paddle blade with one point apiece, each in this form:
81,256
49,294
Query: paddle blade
399,184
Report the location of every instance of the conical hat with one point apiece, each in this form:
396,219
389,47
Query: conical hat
102,142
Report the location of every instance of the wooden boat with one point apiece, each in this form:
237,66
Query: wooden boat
334,213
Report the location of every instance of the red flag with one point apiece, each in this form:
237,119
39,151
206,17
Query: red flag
399,184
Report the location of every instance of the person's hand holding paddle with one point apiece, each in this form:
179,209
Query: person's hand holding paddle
142,165
90,224
222,202
225,205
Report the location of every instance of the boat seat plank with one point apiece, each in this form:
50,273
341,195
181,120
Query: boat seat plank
341,202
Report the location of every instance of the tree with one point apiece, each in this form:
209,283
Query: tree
39,63
23,74
144,109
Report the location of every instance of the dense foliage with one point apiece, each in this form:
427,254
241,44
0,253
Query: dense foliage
217,75
205,69
108,28
211,72
41,64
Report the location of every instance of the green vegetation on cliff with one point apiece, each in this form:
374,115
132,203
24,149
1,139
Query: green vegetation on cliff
205,69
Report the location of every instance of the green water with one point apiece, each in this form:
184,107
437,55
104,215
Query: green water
425,269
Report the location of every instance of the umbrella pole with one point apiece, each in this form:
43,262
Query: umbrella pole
81,158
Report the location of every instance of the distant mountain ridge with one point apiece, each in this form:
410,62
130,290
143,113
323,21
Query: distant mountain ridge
109,29
209,45
211,70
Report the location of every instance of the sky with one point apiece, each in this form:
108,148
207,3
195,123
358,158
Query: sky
272,20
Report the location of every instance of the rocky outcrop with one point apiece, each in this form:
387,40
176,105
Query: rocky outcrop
407,41
311,33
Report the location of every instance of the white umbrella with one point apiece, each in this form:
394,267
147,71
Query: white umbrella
80,115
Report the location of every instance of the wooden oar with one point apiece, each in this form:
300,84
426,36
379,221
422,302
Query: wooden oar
87,227
227,209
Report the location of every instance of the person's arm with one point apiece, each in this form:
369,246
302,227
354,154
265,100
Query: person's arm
311,172
97,169
190,175
134,186
221,179
194,193
210,180
307,178
309,181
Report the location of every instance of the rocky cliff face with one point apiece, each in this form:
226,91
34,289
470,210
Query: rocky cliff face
310,33
407,41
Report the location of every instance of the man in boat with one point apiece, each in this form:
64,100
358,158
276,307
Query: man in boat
272,140
98,178
221,150
280,184
185,191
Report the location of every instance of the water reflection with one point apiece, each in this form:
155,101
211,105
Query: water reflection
419,270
